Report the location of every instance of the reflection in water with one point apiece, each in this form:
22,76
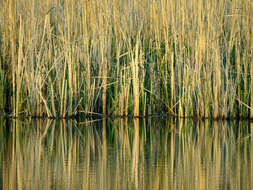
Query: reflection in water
126,154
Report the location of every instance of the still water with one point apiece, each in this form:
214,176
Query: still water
126,154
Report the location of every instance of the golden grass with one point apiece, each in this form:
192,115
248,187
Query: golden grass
126,57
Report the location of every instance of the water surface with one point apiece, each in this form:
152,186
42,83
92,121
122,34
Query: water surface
126,154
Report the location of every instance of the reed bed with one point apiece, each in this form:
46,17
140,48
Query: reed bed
59,58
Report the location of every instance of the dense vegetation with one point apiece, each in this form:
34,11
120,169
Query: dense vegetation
135,57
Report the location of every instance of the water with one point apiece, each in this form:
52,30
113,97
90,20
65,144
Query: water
126,154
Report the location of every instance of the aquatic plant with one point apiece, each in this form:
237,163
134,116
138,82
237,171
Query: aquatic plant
115,57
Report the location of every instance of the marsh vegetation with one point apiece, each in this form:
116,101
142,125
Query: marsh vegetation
59,58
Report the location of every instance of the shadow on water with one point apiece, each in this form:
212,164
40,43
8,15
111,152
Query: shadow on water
126,154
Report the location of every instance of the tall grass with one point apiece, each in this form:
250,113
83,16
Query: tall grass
115,57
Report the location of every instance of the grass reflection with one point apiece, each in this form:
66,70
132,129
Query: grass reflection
126,154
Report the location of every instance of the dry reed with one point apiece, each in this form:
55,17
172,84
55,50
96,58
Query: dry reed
60,58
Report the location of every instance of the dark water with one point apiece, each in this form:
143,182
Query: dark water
126,154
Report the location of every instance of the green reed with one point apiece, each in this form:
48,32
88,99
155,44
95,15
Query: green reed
115,57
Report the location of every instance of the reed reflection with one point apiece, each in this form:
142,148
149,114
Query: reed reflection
126,154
